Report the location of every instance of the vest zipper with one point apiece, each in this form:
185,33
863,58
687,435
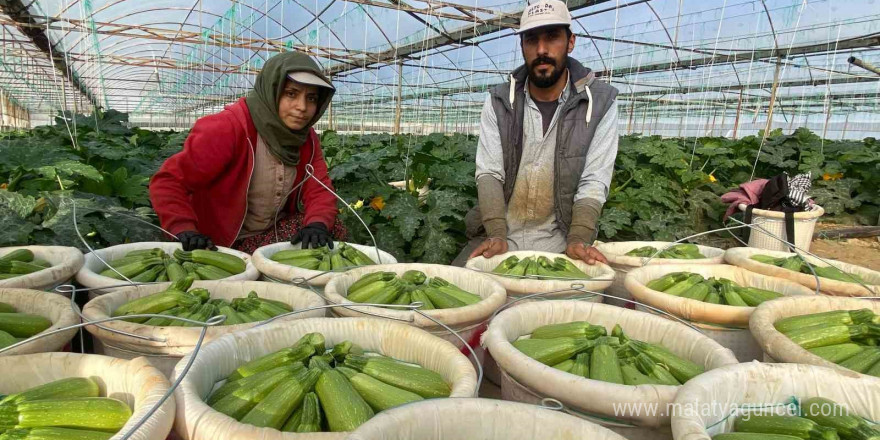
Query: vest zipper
559,131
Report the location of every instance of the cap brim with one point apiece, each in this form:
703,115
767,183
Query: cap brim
542,24
309,78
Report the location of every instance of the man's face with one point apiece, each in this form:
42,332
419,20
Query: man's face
297,105
545,51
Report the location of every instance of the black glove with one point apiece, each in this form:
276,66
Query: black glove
194,240
314,235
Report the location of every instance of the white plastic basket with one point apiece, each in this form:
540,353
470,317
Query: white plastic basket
774,222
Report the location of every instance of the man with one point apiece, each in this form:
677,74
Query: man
548,141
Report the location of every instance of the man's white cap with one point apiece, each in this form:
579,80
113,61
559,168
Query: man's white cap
544,13
309,78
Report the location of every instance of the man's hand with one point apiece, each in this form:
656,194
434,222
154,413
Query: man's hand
490,248
192,240
588,254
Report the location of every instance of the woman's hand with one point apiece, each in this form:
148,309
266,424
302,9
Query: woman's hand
587,254
192,240
313,235
490,248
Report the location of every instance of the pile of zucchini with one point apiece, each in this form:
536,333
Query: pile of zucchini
819,419
849,338
66,409
586,350
797,264
20,262
678,252
16,327
713,291
154,265
308,388
179,300
540,268
323,259
412,286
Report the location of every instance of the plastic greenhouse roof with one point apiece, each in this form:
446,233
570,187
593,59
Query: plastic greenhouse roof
190,57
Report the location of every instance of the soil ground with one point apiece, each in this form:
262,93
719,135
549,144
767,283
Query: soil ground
864,252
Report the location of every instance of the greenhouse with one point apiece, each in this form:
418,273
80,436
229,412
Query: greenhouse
440,220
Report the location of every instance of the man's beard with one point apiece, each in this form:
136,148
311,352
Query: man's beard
544,82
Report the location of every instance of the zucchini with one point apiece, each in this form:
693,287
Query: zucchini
285,356
91,413
667,281
364,293
837,353
604,365
296,254
241,401
55,434
821,335
581,365
156,303
59,389
696,292
132,269
787,425
441,299
683,369
421,381
754,297
149,275
219,260
863,361
416,277
657,372
207,272
829,414
834,317
6,308
379,395
369,279
683,286
632,376
293,422
248,382
25,255
278,405
576,329
344,408
506,265
422,297
566,365
752,436
6,339
310,419
552,351
23,325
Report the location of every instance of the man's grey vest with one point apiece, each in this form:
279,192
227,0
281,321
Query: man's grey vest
577,122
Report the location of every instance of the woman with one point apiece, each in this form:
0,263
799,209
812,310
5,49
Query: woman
239,167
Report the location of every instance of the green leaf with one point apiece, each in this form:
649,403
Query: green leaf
70,168
16,230
612,221
20,204
435,246
443,203
403,210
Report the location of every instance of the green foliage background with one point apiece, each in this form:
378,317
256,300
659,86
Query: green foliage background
663,188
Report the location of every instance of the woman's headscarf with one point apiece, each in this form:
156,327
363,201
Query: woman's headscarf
262,102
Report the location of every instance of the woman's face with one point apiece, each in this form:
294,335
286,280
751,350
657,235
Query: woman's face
297,105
